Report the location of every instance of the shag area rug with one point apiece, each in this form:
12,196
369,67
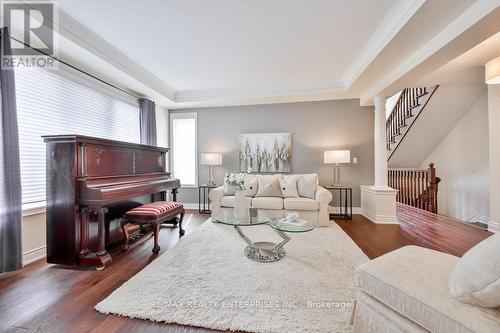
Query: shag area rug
207,281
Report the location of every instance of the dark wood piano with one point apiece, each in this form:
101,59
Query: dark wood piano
91,182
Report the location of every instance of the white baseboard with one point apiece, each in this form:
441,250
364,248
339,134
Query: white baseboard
355,210
34,255
190,205
493,227
379,219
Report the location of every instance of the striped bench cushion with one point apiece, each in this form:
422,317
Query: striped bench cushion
152,211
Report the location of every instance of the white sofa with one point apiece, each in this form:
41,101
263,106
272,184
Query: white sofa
407,290
310,201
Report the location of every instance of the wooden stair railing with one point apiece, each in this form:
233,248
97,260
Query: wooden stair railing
416,187
407,108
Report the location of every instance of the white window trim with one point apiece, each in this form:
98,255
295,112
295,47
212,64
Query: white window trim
34,208
184,115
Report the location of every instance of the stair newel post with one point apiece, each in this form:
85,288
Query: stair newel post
433,187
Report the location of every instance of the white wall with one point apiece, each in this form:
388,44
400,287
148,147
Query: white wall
462,163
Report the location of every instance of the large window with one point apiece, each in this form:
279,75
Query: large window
183,143
50,104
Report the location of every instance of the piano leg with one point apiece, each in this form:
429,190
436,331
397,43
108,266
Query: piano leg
84,231
101,257
174,194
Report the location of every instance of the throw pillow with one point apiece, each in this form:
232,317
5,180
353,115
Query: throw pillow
476,277
288,185
306,185
251,185
269,186
228,189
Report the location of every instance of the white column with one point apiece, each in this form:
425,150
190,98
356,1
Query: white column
378,202
494,152
380,143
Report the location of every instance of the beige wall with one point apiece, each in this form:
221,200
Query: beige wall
33,237
461,161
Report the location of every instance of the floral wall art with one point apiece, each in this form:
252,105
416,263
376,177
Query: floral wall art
265,152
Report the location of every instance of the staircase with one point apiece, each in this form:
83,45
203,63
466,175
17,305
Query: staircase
408,107
416,187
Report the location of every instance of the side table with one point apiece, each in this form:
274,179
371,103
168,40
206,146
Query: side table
342,201
203,199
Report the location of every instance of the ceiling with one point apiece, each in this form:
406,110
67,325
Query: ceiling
188,53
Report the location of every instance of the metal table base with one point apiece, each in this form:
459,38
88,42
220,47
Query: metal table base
264,251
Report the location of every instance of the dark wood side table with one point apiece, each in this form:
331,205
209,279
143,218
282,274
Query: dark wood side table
342,198
203,199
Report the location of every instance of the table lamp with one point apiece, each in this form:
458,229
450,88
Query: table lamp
211,159
337,157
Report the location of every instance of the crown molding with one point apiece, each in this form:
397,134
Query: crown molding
393,22
446,38
187,96
79,34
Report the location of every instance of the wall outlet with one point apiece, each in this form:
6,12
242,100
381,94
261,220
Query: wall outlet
355,160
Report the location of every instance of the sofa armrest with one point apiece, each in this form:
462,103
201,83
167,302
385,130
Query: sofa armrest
216,195
323,196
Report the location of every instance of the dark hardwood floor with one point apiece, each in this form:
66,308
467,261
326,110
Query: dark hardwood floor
49,298
417,227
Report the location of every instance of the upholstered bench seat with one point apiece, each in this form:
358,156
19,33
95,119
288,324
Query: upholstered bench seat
154,214
153,211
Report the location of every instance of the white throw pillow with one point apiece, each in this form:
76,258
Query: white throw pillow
476,277
288,185
269,186
251,185
228,189
306,185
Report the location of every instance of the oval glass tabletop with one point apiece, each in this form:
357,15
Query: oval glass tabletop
245,221
290,226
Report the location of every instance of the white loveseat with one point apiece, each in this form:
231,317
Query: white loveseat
274,195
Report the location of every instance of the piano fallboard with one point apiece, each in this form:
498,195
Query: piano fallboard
88,177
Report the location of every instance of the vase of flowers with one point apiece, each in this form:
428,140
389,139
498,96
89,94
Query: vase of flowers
241,204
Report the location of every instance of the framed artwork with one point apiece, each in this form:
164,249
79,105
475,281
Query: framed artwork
265,152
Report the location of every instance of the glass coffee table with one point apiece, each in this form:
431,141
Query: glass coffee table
264,251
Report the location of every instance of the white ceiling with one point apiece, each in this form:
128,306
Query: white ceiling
195,45
186,53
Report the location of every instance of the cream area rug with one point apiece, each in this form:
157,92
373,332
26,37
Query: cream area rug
207,281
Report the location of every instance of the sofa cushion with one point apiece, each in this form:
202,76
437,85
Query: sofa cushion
251,185
267,203
269,186
288,185
306,185
476,277
300,204
413,281
228,201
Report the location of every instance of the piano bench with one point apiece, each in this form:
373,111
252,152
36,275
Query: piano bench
153,214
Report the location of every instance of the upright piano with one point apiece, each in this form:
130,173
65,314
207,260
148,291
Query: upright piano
91,182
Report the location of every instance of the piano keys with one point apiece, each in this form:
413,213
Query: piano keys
91,182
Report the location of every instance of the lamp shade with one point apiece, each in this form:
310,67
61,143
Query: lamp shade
492,71
337,156
211,159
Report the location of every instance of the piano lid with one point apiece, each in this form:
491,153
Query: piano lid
94,140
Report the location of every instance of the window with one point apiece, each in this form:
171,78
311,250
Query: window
50,104
184,150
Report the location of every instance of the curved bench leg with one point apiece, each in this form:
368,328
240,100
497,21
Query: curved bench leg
123,225
181,231
156,230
